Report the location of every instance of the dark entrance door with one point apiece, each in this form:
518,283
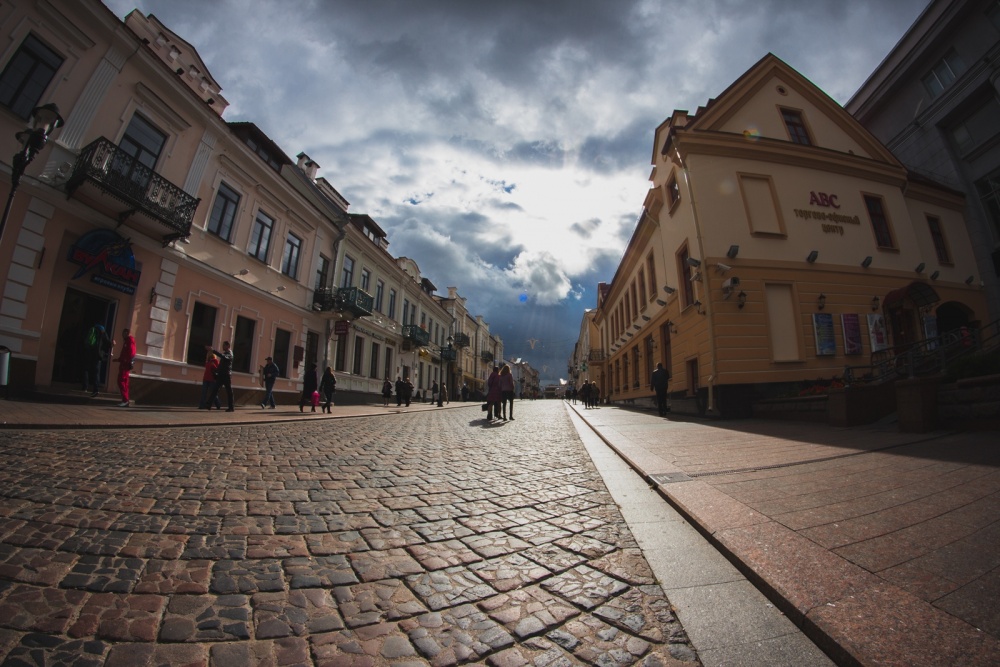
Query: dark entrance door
80,311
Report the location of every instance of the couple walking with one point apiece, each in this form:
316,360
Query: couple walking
500,393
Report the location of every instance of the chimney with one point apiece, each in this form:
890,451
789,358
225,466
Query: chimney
308,167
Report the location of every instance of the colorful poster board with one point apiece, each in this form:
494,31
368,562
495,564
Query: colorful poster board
877,333
826,342
851,325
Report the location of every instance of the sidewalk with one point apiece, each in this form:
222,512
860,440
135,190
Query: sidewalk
882,546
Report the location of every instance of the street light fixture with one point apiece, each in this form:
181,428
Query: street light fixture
44,120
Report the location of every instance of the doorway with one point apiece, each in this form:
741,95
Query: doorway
80,311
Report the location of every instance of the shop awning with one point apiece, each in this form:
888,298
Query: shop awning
918,294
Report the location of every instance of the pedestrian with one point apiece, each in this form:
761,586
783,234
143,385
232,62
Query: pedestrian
506,392
434,392
595,394
309,385
444,394
208,383
493,394
465,392
407,391
269,373
399,391
583,393
126,358
96,350
224,375
658,381
386,392
328,385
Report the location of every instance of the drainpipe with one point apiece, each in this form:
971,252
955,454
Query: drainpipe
713,360
333,277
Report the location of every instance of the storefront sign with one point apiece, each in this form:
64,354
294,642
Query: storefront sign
370,334
831,221
107,256
341,327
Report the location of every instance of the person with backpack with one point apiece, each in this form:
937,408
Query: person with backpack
224,375
327,385
96,350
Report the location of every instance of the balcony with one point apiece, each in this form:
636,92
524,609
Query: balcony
596,354
416,336
338,300
486,356
114,178
448,354
461,340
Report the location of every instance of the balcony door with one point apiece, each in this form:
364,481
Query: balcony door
140,150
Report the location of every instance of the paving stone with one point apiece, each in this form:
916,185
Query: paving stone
182,524
646,612
140,523
534,652
319,571
168,577
295,613
597,643
450,587
554,557
34,566
206,618
276,546
438,531
42,609
539,532
144,545
509,571
381,539
104,574
38,535
327,544
122,618
584,586
49,650
377,565
141,655
216,547
283,652
373,602
248,525
585,545
629,565
441,555
369,646
528,611
455,636
493,544
576,522
247,576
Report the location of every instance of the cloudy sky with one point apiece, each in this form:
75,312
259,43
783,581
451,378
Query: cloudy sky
505,146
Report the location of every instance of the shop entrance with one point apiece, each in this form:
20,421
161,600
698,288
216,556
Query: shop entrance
80,311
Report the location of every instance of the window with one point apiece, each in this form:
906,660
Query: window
373,365
359,353
978,128
406,312
642,288
201,333
635,303
347,275
260,238
989,194
943,73
243,344
141,146
379,293
322,272
624,371
290,258
651,272
796,127
673,191
220,222
684,269
282,350
366,279
392,304
340,360
880,224
937,236
635,367
27,75
388,363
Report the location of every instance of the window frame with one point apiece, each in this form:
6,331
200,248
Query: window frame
347,272
22,96
260,243
796,127
216,224
290,255
938,238
881,226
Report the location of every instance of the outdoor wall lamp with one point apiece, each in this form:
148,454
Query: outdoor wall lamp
821,302
733,251
968,281
636,327
241,272
812,256
934,276
668,289
671,327
645,318
693,262
920,268
697,304
44,120
866,262
741,299
279,288
152,294
661,302
875,303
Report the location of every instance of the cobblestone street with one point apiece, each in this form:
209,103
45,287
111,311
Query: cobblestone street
403,539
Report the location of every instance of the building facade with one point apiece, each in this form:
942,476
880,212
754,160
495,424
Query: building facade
779,243
934,101
147,210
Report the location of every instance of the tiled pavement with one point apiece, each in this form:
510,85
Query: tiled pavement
427,538
884,546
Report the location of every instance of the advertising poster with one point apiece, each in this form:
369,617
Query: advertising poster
826,343
930,331
851,324
877,332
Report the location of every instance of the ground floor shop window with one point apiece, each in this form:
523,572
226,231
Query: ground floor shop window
373,361
282,348
202,333
243,344
359,353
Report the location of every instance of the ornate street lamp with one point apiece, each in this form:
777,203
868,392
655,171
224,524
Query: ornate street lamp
44,120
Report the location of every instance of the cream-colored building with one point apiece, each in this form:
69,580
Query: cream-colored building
147,210
779,243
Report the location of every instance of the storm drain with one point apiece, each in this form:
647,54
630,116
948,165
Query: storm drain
670,478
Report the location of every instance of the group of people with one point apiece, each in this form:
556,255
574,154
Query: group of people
98,348
589,393
500,394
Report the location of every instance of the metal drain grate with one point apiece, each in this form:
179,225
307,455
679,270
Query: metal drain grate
670,478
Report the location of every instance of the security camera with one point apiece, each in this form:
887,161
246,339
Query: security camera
729,285
722,267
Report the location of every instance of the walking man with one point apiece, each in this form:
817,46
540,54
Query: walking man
125,360
225,374
270,374
658,381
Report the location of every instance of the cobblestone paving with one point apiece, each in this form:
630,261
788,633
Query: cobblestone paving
428,538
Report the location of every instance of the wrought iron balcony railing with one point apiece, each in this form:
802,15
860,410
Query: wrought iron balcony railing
414,333
119,175
486,356
448,354
596,354
461,340
343,299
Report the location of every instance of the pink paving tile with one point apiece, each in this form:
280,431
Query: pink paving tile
804,574
714,510
886,626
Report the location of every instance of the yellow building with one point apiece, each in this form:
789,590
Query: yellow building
780,242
